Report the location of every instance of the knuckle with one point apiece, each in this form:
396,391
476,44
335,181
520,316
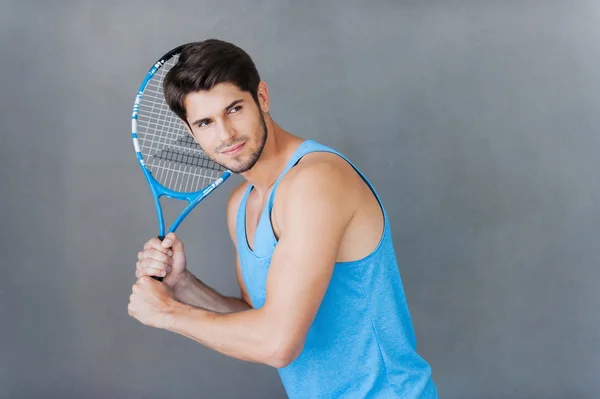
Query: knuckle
152,243
158,254
159,250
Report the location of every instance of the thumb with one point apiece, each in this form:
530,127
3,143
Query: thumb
172,241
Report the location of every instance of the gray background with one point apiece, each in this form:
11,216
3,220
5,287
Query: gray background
477,122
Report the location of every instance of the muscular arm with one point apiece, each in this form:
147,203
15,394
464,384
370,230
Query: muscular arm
192,291
314,216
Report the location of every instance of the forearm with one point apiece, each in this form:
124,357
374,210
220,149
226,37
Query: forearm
194,292
249,335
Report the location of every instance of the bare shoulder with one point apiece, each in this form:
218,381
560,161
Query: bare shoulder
319,179
324,191
321,170
233,203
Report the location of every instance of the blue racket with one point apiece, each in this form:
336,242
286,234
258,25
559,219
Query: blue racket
173,163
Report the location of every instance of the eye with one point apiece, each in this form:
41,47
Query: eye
204,123
235,109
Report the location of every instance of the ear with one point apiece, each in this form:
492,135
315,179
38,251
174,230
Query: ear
263,96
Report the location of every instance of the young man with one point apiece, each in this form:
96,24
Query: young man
321,295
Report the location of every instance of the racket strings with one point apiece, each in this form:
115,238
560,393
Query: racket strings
170,152
193,159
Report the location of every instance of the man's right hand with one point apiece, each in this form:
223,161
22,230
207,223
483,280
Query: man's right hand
163,259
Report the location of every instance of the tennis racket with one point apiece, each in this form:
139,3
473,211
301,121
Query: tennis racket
173,163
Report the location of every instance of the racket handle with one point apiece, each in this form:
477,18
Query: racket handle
157,277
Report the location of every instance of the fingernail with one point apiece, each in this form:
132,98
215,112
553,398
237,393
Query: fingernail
170,253
167,243
163,273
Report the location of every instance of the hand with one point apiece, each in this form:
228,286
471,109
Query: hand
151,302
163,259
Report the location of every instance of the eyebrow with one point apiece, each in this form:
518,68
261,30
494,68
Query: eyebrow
227,108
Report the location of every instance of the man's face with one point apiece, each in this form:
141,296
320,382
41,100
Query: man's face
228,125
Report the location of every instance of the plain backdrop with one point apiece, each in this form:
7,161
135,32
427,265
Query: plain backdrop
477,121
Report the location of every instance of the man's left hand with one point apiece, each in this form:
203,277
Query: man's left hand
151,302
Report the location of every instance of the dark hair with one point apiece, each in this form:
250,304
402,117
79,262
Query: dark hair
203,65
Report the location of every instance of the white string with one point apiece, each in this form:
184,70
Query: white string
168,168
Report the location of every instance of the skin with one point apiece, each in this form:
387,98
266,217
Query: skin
323,213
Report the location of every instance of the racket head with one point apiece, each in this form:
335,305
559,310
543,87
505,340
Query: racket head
173,163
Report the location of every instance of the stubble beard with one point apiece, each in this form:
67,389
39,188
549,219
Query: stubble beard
254,156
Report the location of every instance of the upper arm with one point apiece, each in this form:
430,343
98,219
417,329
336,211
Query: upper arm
232,208
314,213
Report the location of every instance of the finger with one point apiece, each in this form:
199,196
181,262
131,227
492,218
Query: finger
172,241
151,264
156,244
151,243
144,280
149,271
155,254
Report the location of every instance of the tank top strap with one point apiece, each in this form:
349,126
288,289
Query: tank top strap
305,148
241,220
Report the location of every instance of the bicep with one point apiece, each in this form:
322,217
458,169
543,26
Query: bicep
296,284
315,219
240,279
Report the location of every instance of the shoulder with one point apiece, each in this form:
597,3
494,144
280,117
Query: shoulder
320,180
233,203
320,171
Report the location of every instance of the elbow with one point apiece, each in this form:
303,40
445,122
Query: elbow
283,352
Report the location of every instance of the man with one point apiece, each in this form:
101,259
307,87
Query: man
321,295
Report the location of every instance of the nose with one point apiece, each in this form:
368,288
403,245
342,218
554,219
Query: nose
226,131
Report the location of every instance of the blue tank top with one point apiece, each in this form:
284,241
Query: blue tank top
361,343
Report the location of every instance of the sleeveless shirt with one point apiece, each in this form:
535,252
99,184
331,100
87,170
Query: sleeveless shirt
361,343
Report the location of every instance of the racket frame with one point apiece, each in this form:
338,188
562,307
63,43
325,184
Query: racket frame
157,189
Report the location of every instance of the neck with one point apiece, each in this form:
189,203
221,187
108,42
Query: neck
279,147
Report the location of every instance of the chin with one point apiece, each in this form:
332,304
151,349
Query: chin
242,165
246,160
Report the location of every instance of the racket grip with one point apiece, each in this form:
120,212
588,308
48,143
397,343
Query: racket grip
157,277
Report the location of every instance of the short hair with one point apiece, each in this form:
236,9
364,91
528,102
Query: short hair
202,65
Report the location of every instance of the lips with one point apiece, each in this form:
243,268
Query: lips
232,149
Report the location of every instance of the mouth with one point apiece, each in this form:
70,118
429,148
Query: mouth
233,150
